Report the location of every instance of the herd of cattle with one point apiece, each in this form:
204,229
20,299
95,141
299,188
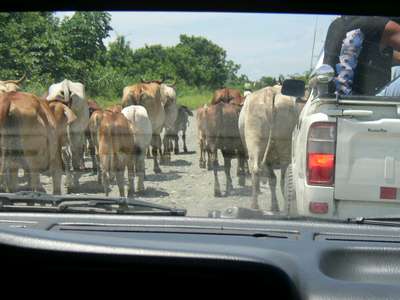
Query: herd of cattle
49,134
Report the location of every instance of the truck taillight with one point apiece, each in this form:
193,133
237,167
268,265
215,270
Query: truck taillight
321,145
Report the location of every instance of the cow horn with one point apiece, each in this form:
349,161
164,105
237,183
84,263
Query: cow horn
16,81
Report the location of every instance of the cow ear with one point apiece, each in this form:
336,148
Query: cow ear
71,117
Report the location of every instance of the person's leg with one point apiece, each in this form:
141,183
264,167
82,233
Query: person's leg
392,89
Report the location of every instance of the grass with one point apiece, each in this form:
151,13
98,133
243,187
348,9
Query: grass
194,101
189,96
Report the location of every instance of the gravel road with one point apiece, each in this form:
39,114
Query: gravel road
183,184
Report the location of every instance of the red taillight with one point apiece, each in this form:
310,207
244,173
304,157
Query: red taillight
388,193
319,207
320,168
321,153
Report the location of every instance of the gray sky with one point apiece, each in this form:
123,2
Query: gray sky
263,44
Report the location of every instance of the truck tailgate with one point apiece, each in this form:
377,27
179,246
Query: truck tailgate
368,160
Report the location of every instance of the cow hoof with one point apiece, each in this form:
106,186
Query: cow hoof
157,170
242,181
185,150
140,192
217,194
209,168
69,190
274,209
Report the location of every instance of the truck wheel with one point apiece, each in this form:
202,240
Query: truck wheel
290,193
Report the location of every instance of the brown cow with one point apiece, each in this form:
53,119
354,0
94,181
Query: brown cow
201,135
64,116
28,133
11,85
228,95
222,132
115,108
116,151
149,96
94,125
93,106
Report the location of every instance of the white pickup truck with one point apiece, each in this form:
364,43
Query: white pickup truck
345,154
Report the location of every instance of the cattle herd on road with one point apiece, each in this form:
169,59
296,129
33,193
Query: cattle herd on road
49,134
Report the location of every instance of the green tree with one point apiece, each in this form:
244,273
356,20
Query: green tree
29,43
199,61
82,38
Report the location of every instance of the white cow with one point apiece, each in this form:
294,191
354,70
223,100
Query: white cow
73,95
266,122
143,131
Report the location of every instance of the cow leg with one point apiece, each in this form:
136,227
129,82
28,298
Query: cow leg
34,174
210,163
175,144
4,166
119,175
131,176
272,186
140,170
184,141
92,152
156,146
56,180
76,151
246,167
217,188
227,168
202,162
66,158
283,172
165,156
255,171
240,169
163,153
12,184
255,180
148,153
105,182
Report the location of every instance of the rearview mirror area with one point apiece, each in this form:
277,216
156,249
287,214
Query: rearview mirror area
293,88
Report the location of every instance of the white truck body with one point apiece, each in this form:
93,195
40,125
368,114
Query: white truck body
366,161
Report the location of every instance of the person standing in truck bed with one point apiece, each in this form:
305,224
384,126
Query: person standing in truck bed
361,50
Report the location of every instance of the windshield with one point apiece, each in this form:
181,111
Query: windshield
186,110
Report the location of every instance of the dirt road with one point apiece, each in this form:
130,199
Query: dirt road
183,184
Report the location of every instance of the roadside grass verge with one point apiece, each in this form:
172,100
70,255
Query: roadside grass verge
192,97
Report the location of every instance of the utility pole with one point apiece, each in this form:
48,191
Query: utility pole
313,46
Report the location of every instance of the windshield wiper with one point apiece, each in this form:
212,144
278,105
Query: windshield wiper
42,202
382,221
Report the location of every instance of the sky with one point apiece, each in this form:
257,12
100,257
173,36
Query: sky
263,44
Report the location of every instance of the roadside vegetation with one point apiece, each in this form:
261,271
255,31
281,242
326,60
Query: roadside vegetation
48,49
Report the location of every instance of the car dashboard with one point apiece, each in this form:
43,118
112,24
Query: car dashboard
289,259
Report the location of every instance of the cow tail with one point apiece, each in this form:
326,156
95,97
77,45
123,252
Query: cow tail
270,132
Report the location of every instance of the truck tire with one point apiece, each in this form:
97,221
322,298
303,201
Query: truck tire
290,192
